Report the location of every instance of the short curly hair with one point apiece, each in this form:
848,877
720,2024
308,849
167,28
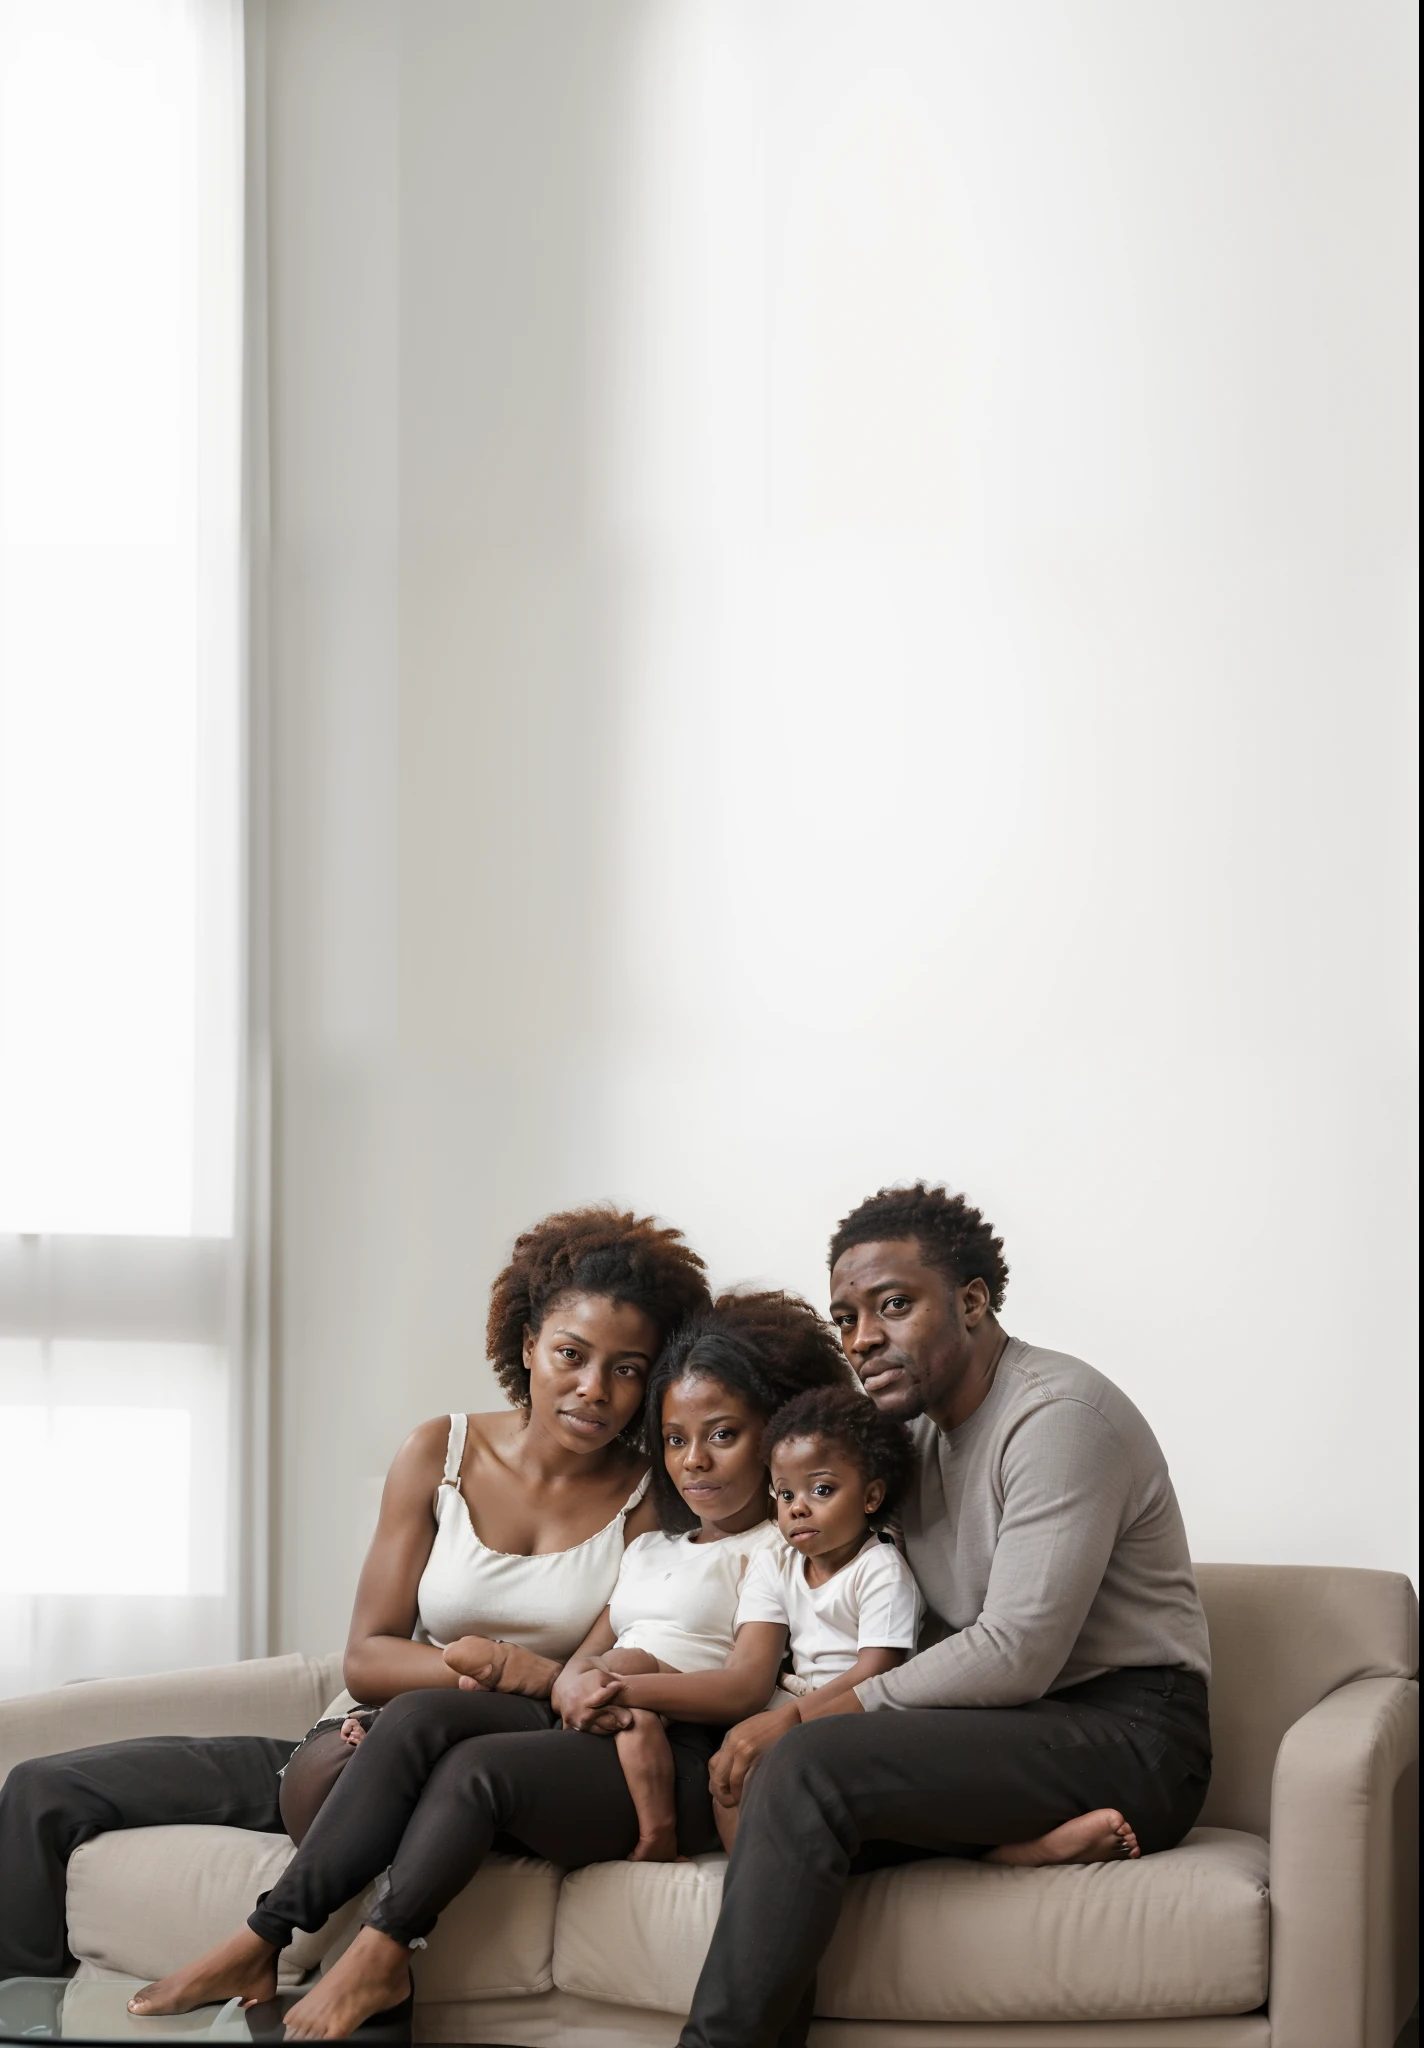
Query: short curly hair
952,1235
879,1445
599,1250
766,1347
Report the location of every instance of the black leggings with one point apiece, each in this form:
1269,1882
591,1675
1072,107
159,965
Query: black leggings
444,1776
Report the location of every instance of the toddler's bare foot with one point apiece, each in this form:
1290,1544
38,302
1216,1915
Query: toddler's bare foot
658,1847
1102,1836
245,1967
372,1976
352,1730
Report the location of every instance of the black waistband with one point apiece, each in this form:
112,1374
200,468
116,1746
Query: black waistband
1169,1681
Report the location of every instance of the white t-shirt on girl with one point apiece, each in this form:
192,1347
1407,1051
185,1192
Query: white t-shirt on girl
677,1599
872,1603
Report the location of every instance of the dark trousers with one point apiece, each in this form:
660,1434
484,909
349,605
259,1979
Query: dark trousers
441,1779
941,1780
49,1805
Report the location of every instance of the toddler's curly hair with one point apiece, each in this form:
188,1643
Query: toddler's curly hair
878,1445
599,1250
765,1347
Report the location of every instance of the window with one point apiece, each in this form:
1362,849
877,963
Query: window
121,1397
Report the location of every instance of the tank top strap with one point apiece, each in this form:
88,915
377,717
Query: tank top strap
636,1495
454,1451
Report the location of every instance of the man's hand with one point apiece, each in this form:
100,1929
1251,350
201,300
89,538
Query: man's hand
587,1700
744,1746
486,1666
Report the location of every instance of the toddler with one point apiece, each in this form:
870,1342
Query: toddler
837,1586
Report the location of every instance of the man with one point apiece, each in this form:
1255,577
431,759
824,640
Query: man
1057,1701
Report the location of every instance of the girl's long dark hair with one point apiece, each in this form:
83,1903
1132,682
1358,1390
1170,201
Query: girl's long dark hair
766,1347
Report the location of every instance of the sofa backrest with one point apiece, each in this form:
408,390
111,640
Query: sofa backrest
1282,1637
264,1696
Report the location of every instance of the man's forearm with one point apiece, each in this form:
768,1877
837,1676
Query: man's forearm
979,1667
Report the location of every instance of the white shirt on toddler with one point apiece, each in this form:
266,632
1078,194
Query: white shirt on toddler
872,1603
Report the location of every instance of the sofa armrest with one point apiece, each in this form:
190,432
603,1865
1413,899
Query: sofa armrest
264,1696
1342,1840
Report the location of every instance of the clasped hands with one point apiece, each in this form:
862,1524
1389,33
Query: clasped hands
588,1700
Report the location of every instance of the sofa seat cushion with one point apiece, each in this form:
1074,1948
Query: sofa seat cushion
1172,1936
142,1901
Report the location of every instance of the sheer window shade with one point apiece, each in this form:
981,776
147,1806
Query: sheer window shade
122,1239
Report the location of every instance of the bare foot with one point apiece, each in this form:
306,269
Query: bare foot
372,1976
245,1967
658,1847
352,1730
1099,1837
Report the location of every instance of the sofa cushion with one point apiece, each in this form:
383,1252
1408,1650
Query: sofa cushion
144,1900
497,1937
1175,1935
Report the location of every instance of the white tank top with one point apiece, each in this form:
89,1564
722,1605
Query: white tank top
546,1603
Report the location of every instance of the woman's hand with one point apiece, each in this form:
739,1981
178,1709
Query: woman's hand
487,1666
587,1700
744,1746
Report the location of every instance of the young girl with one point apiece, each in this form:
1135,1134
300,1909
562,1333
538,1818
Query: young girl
673,1611
837,1591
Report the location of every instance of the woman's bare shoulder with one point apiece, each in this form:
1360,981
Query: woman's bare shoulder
421,1458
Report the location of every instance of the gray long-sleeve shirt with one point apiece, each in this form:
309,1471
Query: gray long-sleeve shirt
1048,1544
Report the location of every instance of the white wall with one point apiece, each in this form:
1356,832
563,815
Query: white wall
841,611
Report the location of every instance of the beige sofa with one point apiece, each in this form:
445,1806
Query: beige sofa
1286,1920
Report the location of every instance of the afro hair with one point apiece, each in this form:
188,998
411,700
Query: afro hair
952,1235
601,1250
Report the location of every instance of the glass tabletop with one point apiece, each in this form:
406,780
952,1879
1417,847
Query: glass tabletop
81,2010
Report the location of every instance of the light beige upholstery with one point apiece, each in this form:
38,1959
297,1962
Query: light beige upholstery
1344,1845
498,1936
1282,1637
1182,1933
1314,1721
267,1696
560,2019
144,1900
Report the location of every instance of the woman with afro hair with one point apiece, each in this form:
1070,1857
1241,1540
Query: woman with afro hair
470,1747
498,1542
